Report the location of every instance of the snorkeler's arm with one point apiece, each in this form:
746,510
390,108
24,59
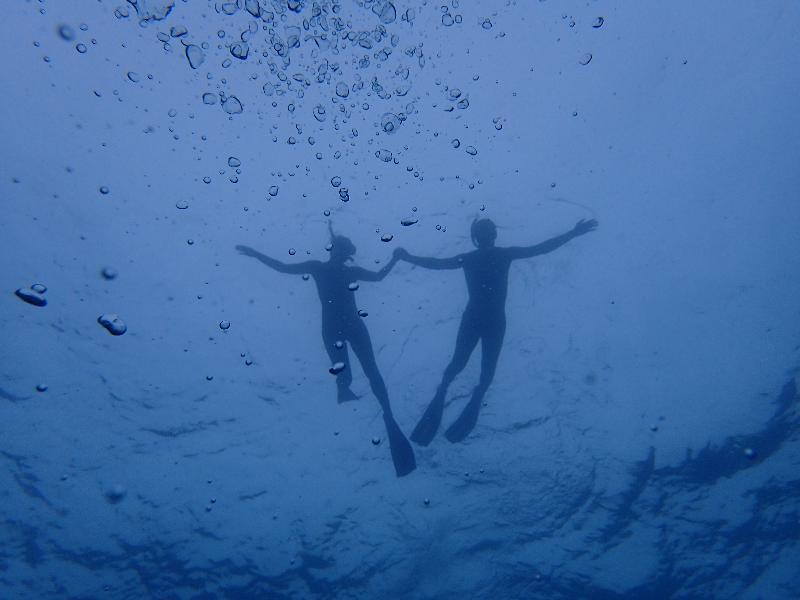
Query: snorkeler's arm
429,262
362,274
294,269
581,227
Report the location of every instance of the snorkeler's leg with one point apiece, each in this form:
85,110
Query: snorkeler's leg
332,336
492,342
402,453
428,425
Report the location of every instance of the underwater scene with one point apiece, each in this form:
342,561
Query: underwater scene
355,299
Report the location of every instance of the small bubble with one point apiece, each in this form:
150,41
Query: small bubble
273,190
113,324
387,237
66,32
376,441
362,313
109,273
487,24
342,89
182,205
104,190
408,222
209,98
232,106
471,150
115,494
336,368
585,59
353,286
455,142
41,387
336,181
598,22
224,325
292,251
31,296
195,56
234,162
133,76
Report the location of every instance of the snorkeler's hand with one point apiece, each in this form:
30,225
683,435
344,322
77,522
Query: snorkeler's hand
248,251
584,226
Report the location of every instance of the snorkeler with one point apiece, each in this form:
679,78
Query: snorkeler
484,319
342,325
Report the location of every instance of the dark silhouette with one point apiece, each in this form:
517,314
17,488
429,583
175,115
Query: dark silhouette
484,319
342,325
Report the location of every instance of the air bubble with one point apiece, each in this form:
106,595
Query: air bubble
232,106
66,32
234,162
342,90
209,98
598,22
336,368
471,150
336,181
387,237
182,205
113,324
273,190
455,142
31,296
224,325
195,56
585,59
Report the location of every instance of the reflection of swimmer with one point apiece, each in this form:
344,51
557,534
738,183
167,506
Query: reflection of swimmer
484,319
341,325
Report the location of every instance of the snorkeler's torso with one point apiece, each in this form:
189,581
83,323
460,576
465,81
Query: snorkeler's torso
486,271
338,301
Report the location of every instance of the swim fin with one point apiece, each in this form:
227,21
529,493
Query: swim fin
402,452
428,425
465,422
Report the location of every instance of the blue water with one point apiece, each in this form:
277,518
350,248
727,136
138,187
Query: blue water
182,418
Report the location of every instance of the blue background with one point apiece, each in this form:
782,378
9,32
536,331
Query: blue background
640,437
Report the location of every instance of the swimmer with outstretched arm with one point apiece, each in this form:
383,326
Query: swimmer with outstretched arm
342,325
486,270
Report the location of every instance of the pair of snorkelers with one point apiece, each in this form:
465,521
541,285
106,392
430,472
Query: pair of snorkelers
486,271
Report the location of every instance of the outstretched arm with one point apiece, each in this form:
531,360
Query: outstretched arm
296,269
581,227
429,262
362,274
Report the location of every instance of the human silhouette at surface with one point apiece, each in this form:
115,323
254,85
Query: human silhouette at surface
486,270
342,325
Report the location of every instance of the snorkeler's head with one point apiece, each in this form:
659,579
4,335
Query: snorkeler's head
483,233
342,248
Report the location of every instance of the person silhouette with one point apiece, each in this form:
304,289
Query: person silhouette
342,325
484,319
